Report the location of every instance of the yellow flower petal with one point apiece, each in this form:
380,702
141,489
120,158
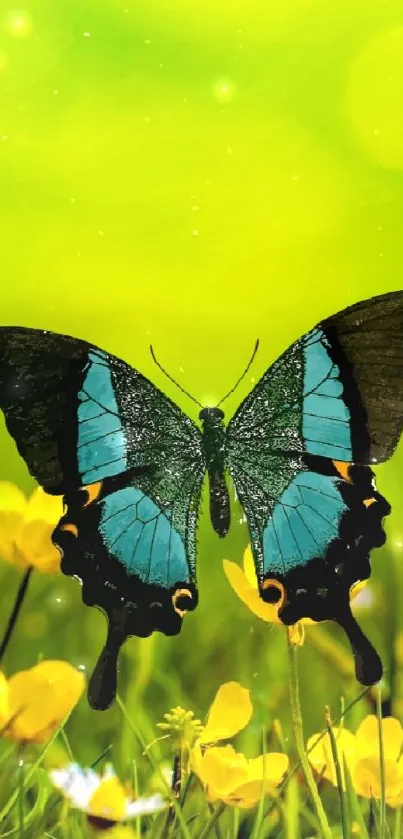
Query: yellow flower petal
108,801
367,738
230,712
44,507
222,770
249,567
367,779
395,799
195,759
34,541
321,757
40,698
12,511
248,795
12,498
248,594
271,766
26,528
11,524
4,700
36,546
265,774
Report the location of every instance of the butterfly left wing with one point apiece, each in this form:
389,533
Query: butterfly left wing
130,466
299,450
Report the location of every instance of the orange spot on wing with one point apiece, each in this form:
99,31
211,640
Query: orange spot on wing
275,584
93,492
343,469
368,501
180,592
71,528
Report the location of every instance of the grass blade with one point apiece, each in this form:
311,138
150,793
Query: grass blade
297,728
339,777
292,810
398,820
213,821
354,803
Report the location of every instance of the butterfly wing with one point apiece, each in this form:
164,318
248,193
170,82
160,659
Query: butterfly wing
130,466
333,399
79,414
132,543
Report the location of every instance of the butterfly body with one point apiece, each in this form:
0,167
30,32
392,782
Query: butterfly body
215,453
131,466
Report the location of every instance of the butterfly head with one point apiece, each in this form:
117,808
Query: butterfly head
211,416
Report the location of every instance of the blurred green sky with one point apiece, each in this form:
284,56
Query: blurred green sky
197,174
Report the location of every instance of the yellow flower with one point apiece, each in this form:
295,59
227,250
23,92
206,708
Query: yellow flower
26,526
367,774
361,753
244,583
321,757
34,702
235,779
226,775
103,798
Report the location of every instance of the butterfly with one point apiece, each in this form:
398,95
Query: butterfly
130,465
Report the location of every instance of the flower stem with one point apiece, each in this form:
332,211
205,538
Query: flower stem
398,817
299,741
21,830
15,612
176,792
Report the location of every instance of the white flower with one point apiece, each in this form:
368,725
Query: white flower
102,796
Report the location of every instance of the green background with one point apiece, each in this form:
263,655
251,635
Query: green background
197,175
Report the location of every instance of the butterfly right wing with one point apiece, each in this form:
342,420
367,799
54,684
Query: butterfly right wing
333,399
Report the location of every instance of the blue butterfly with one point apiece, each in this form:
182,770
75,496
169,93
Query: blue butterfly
130,465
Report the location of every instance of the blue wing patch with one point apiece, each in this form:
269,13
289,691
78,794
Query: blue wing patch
305,521
141,536
326,417
101,441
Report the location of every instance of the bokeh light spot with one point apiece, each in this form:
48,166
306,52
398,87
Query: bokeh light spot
224,90
19,24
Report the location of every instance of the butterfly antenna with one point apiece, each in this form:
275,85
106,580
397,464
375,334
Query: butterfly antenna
243,374
171,379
